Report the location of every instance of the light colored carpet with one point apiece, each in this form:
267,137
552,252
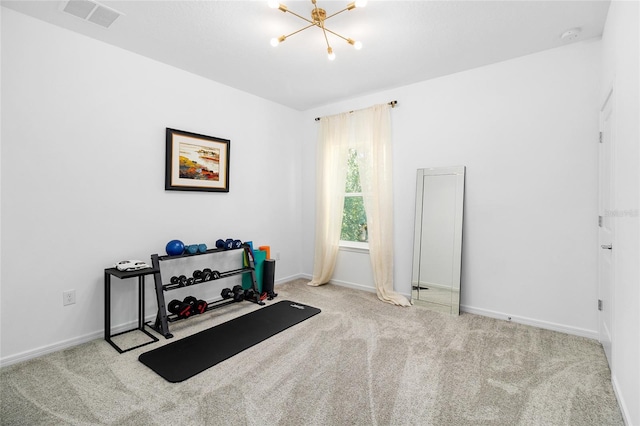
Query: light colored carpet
359,362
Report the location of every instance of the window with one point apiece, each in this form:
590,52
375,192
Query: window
354,218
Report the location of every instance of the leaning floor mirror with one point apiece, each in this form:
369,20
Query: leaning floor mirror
437,249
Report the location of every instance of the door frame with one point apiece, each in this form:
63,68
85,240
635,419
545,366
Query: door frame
607,309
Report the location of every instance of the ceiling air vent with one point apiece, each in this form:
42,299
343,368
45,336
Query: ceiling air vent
91,11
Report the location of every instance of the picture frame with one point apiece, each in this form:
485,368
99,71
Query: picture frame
196,162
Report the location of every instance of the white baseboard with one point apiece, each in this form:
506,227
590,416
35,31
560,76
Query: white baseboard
341,283
43,350
24,356
34,353
347,284
65,344
621,402
591,334
356,286
576,331
290,278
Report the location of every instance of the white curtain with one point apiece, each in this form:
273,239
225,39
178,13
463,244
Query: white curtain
331,173
367,131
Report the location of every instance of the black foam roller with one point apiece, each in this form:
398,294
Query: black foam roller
268,275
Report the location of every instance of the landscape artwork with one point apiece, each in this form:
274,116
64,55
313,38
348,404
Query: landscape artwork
196,162
199,162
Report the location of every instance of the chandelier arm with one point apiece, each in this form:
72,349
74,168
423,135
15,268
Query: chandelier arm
324,32
301,29
336,34
334,14
301,17
320,23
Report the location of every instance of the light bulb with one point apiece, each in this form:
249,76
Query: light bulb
361,3
356,44
276,41
331,55
273,4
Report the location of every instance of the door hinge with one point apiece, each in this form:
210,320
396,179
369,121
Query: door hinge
600,221
599,304
600,139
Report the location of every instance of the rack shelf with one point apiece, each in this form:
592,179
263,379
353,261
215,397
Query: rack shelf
161,324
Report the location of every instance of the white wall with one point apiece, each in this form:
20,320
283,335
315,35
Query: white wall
81,120
83,154
620,72
527,130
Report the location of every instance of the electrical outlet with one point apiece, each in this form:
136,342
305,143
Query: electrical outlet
68,297
277,255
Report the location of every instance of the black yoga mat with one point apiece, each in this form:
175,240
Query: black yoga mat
191,355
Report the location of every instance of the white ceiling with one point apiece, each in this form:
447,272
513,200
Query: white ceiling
404,41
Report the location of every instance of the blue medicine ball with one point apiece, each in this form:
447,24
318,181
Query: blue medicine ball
175,247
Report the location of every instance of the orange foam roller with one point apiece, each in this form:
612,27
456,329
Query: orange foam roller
267,249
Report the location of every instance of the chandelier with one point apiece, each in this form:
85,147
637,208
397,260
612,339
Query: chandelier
318,18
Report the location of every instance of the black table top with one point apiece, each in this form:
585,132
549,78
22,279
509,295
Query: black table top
129,274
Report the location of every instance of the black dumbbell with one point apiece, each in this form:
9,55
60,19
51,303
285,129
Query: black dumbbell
201,306
238,293
211,275
181,309
181,280
198,306
190,300
204,275
249,294
195,305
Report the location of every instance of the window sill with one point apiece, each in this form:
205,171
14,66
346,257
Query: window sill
354,246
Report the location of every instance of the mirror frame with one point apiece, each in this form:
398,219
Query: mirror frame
459,172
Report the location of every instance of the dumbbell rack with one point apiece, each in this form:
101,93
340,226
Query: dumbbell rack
161,324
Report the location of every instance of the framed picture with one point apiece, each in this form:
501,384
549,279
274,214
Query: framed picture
196,162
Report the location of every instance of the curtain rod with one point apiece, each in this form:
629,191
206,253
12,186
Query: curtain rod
392,104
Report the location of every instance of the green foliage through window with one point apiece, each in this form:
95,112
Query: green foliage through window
354,219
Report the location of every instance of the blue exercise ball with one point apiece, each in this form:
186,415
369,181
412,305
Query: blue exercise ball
175,247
